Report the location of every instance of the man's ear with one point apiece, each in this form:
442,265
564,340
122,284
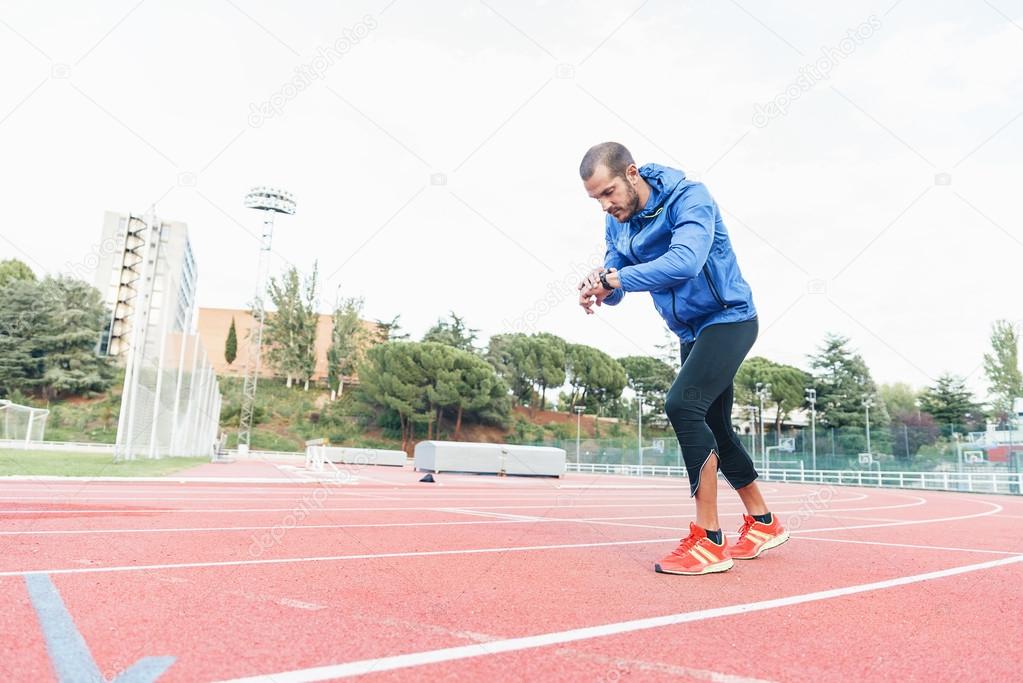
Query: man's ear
632,174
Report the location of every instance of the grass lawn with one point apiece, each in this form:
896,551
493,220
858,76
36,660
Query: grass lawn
88,464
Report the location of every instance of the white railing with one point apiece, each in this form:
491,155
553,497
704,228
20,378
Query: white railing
63,446
979,482
631,470
259,455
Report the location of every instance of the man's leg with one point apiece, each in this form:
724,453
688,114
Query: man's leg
708,367
707,496
736,464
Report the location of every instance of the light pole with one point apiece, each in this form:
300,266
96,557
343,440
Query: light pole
959,451
753,430
578,429
867,402
270,201
639,431
811,398
762,390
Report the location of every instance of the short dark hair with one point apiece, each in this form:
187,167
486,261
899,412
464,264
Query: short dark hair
611,154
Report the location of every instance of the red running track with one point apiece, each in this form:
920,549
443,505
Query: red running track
506,578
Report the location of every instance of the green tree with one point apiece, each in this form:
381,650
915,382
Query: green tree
1001,366
392,330
231,345
348,340
508,354
530,364
655,376
595,378
75,319
23,321
670,351
951,404
785,384
419,382
290,331
900,398
392,379
454,333
843,382
13,269
547,361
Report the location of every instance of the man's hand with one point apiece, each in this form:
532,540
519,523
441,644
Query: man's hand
591,291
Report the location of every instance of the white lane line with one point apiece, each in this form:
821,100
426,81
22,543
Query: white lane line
995,509
365,666
332,558
621,664
493,518
570,506
909,545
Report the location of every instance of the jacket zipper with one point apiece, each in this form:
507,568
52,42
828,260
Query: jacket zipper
713,289
677,319
640,229
631,250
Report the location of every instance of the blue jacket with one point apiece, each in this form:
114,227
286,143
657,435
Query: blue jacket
677,248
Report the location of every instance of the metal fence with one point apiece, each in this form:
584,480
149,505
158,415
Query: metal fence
973,482
171,399
792,449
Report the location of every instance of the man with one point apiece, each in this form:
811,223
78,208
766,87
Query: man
665,236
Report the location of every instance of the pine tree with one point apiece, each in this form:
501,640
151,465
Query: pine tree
231,345
76,317
951,404
454,333
843,382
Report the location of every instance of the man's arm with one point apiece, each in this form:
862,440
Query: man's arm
692,235
612,259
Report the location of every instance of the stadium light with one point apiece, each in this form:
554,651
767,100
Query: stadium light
270,201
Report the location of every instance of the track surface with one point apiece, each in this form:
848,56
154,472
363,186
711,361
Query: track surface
507,578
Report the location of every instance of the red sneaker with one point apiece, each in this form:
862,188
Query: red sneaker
695,555
756,537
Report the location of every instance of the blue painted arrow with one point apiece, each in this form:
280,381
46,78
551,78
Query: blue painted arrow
71,657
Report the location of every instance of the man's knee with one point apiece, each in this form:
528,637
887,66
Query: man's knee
688,404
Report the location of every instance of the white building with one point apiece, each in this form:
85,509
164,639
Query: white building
133,275
171,399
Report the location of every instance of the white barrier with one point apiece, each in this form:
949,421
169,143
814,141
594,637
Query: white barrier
62,446
363,456
318,454
974,482
489,458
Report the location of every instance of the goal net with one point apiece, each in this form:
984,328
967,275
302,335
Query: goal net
22,423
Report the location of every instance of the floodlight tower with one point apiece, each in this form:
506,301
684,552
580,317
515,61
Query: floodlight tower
270,201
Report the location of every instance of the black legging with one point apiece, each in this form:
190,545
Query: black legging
699,403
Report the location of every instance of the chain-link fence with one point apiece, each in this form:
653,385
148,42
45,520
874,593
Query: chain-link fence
171,399
898,448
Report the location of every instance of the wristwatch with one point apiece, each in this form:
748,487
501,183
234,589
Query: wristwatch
603,280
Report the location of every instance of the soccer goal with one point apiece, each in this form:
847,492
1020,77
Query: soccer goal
22,424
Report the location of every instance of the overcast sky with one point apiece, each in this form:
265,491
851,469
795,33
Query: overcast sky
866,155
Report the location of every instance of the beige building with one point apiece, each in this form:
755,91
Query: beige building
214,324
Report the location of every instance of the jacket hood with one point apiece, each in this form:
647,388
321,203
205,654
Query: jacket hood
663,181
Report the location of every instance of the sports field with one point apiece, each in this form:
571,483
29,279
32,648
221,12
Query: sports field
280,578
